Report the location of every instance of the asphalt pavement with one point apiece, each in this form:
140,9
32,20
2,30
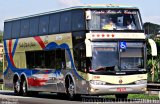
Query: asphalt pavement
8,97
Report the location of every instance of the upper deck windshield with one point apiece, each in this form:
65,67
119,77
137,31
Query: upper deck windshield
115,19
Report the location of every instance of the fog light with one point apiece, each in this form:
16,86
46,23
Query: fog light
92,90
144,89
141,82
97,82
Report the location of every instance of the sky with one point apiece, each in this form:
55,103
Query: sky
150,9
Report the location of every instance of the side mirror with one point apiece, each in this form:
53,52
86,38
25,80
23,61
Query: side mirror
153,47
88,15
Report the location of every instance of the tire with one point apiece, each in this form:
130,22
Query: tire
70,89
23,88
17,87
121,96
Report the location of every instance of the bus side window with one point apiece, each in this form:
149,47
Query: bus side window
60,59
39,59
16,29
50,59
43,24
68,60
7,30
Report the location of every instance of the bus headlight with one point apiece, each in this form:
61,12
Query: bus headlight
141,82
96,82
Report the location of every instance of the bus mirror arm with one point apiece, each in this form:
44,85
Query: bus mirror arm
88,48
153,47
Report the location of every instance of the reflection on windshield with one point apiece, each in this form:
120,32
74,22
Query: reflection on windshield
132,58
115,20
132,63
102,56
108,57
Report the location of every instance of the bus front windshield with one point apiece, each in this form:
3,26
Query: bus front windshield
105,55
115,19
110,57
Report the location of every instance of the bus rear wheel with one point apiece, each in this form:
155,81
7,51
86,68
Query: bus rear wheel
23,88
17,87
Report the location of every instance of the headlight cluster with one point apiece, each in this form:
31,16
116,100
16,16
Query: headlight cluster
96,82
141,82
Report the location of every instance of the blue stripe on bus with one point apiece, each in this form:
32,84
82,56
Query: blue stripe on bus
14,47
28,72
10,66
54,45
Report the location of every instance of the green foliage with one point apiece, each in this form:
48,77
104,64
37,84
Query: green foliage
156,61
1,64
1,67
1,36
143,96
151,28
137,96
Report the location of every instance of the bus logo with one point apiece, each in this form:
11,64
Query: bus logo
122,45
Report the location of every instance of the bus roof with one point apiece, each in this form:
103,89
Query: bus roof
89,6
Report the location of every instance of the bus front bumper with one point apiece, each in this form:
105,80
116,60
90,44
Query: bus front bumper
117,89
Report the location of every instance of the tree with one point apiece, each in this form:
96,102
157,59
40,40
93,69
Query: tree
1,36
151,30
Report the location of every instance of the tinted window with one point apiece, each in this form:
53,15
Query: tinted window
46,59
78,21
15,29
60,59
30,58
43,25
65,22
40,59
50,60
24,28
78,38
54,23
33,30
7,30
79,51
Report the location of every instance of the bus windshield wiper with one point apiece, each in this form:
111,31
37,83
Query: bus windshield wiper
104,68
101,69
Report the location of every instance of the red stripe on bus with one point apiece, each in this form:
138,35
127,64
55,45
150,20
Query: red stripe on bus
39,40
10,52
36,82
10,46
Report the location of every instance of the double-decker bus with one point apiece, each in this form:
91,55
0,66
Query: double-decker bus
89,50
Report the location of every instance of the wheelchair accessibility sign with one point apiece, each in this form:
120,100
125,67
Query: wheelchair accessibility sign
122,45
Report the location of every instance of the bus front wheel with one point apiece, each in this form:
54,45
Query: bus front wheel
70,90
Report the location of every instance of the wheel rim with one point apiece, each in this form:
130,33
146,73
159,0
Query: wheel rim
71,89
17,86
24,87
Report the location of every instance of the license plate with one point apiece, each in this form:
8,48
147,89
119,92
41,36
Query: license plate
121,89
